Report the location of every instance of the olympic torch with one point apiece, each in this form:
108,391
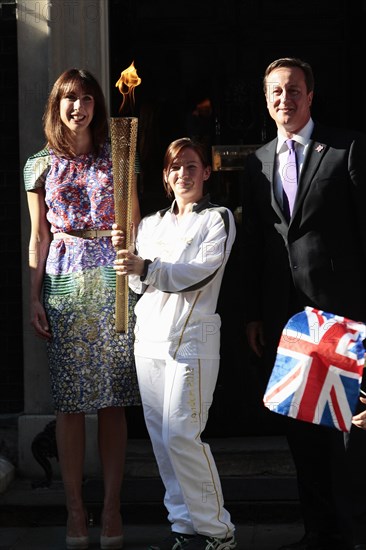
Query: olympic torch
123,132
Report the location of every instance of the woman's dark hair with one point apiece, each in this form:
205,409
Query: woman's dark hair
291,62
173,151
57,134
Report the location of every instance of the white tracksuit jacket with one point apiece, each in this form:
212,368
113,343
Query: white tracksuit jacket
176,316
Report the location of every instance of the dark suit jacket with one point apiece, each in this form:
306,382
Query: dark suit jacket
321,255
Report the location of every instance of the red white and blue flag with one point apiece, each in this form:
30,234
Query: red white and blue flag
318,369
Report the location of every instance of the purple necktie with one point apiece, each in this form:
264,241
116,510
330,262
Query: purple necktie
289,178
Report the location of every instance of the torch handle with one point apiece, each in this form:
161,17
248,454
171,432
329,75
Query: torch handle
123,142
121,301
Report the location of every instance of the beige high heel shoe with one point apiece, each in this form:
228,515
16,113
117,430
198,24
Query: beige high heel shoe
78,543
111,543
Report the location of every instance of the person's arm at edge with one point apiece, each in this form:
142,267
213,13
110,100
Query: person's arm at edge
39,243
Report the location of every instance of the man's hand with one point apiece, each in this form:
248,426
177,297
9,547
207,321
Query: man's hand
359,420
254,331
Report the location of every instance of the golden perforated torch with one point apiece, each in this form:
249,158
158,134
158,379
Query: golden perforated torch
123,143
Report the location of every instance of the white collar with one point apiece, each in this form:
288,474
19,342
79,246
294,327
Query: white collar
302,137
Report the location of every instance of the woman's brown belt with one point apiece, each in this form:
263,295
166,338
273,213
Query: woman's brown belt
84,234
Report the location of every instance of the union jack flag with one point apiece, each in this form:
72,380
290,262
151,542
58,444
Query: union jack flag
318,369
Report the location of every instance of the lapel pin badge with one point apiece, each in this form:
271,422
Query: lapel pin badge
319,148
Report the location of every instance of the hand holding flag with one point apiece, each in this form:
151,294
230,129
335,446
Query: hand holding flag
359,420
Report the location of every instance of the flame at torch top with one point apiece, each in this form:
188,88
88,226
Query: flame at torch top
126,84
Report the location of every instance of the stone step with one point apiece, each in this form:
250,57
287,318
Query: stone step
250,500
257,476
235,456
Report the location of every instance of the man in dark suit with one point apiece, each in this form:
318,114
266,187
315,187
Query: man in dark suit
314,255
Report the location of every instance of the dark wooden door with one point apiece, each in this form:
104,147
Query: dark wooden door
201,67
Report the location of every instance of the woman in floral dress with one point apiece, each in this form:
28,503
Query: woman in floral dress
71,206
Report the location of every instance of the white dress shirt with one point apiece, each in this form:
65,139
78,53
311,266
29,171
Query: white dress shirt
301,145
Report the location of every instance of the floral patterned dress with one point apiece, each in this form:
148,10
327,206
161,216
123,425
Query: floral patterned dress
91,365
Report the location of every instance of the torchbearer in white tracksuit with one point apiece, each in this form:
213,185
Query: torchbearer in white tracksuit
178,265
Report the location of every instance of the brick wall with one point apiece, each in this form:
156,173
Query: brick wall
11,342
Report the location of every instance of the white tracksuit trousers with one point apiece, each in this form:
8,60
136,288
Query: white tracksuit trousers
176,398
